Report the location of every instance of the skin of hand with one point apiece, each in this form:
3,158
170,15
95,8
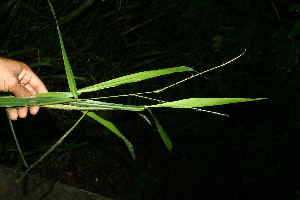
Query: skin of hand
18,78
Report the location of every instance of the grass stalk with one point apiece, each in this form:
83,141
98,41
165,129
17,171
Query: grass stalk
52,147
16,139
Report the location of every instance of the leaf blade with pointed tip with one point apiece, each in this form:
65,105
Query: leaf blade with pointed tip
59,141
114,129
70,76
94,105
140,76
202,102
162,132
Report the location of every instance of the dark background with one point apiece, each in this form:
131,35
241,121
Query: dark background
253,154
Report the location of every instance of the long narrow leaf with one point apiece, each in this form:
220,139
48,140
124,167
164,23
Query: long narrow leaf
76,12
114,129
71,80
162,133
202,102
6,7
94,105
16,140
52,147
133,78
113,106
10,101
18,168
11,16
55,94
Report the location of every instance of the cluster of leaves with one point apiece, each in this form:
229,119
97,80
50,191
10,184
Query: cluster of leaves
108,39
70,100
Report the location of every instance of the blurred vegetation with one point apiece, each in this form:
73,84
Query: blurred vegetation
254,154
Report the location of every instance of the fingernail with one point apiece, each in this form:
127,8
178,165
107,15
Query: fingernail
34,111
23,115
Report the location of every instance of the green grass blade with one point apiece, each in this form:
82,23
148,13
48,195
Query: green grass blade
53,76
70,76
162,133
133,78
112,106
114,129
52,147
6,7
202,102
10,17
94,105
76,12
55,94
10,101
18,168
145,118
16,139
42,61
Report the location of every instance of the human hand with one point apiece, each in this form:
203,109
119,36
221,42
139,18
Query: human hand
18,78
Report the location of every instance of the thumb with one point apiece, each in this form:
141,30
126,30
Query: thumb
19,91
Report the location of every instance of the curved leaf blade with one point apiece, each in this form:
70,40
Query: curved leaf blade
140,76
11,101
162,133
111,106
202,102
94,105
70,76
76,12
114,129
59,141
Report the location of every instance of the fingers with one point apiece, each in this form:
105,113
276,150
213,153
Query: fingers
19,91
22,112
34,110
35,86
28,77
38,86
13,114
23,91
22,82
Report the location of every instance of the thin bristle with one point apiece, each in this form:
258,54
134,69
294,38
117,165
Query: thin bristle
211,69
183,106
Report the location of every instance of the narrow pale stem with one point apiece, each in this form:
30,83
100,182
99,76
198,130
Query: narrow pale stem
52,147
16,139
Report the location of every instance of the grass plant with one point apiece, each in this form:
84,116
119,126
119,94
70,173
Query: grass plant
71,100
